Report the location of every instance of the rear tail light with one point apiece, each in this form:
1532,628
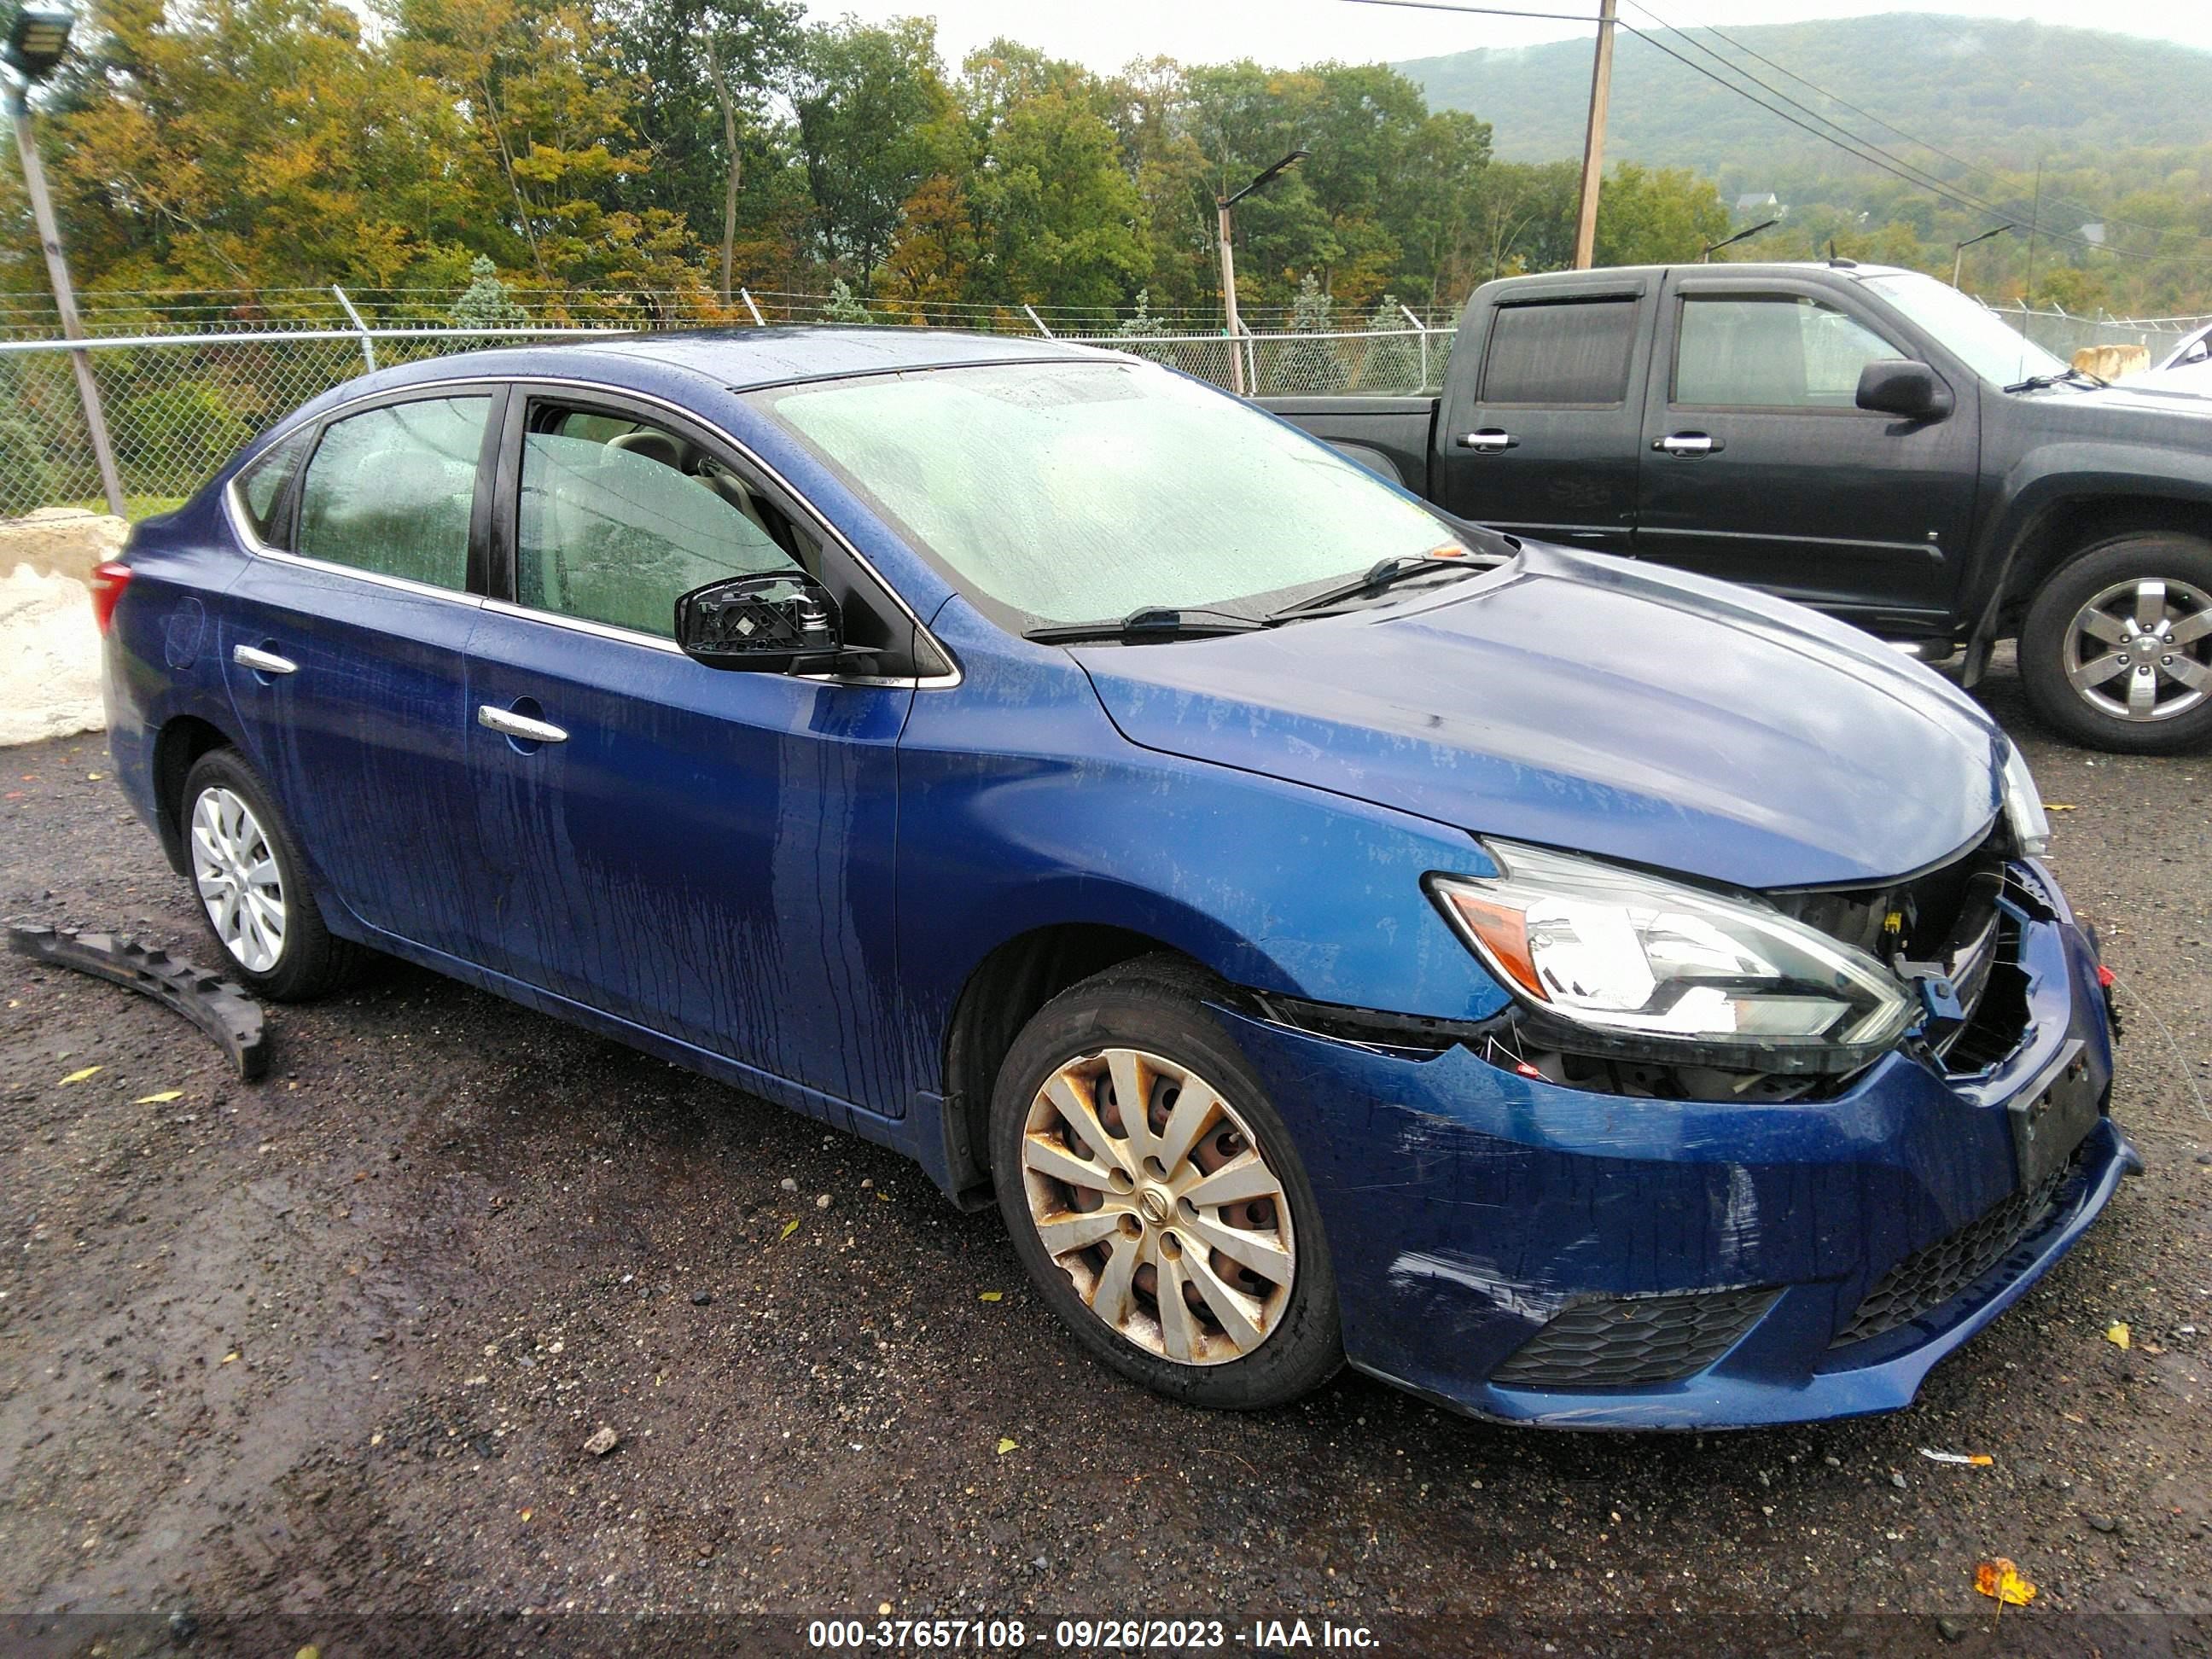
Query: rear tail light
108,582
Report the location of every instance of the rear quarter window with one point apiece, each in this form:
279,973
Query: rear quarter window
261,488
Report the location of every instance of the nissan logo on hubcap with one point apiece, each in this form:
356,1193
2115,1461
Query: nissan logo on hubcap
1154,1203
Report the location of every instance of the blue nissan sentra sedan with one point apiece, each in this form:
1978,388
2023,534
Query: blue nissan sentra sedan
1579,993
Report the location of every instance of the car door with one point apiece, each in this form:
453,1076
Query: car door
344,646
702,852
1758,465
1540,441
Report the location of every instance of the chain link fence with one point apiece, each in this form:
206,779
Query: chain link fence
178,406
2063,333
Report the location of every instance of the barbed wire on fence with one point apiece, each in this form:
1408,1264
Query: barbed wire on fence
180,403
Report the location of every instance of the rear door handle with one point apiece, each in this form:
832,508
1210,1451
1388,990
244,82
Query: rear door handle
1489,440
507,722
1689,443
262,662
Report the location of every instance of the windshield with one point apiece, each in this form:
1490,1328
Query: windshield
1068,491
1989,346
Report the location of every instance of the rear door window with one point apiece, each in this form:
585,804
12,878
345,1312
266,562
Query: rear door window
390,491
1564,351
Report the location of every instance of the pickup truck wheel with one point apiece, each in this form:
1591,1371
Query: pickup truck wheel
2116,650
1154,1196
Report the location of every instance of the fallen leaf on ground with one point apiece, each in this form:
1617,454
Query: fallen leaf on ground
1005,1446
79,1076
161,1099
2059,806
790,1227
2001,1580
227,1358
2116,1333
990,1296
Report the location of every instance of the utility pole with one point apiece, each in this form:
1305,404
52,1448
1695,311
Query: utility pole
1594,137
2034,221
1959,249
49,242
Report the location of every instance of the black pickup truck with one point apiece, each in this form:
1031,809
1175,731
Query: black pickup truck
1862,439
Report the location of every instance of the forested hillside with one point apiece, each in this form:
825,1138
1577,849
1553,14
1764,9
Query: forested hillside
229,160
1969,104
1997,93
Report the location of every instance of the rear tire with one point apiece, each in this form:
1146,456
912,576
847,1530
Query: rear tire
1186,1251
250,881
2117,649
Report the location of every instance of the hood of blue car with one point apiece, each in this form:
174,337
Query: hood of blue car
1597,705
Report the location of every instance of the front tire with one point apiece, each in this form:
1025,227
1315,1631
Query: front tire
2117,649
251,882
1180,1242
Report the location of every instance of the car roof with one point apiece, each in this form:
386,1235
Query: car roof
744,358
1731,269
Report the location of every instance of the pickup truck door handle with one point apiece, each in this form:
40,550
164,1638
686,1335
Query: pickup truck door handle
1489,440
1688,443
262,662
510,724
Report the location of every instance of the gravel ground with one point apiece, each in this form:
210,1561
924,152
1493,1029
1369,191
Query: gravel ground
331,1347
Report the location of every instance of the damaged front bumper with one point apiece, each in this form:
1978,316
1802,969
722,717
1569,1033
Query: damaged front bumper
1534,1252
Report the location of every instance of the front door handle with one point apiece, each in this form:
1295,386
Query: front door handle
1489,441
262,662
1688,443
507,722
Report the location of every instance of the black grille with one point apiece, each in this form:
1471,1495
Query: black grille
1616,1342
1932,1276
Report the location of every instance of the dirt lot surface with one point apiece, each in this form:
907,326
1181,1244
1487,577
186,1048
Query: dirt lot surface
331,1347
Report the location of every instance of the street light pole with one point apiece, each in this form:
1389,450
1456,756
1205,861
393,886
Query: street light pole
1959,249
36,40
1224,229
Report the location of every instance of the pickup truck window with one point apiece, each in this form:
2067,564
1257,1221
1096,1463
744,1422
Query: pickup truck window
1562,351
1771,351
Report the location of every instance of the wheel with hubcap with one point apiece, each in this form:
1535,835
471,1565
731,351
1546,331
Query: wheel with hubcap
1154,1195
2117,649
252,884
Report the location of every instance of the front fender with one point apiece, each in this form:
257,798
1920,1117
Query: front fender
2053,478
1021,807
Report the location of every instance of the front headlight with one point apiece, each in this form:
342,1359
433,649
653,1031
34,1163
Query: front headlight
1641,966
2023,806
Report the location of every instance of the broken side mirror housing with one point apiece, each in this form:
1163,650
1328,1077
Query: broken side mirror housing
1900,386
783,622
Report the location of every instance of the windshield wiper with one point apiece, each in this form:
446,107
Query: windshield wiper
1149,622
2041,382
1386,573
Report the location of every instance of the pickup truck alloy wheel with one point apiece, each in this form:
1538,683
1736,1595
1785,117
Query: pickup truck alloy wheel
235,870
2141,649
1152,1194
2115,651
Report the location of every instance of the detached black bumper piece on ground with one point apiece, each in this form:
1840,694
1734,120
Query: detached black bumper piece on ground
218,1006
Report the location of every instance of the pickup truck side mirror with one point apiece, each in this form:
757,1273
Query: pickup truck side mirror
782,623
1898,386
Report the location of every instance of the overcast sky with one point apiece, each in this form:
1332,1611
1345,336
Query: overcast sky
1105,34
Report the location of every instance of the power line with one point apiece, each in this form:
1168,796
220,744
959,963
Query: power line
1862,149
1851,144
2087,208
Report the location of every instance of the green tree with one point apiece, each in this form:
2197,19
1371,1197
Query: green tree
872,105
487,303
843,306
1057,211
